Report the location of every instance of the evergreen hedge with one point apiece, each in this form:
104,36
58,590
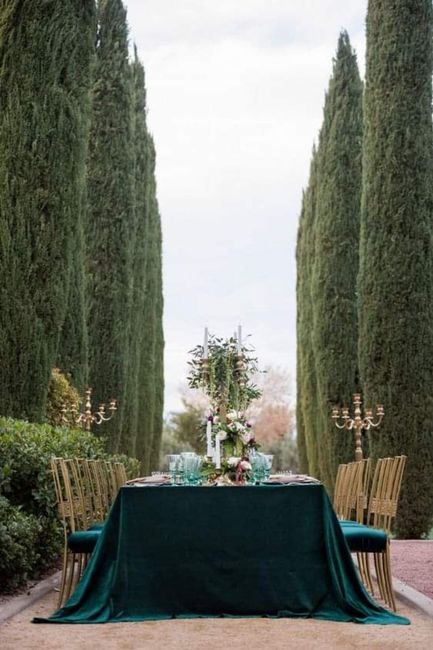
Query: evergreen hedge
395,279
110,225
31,535
335,264
46,52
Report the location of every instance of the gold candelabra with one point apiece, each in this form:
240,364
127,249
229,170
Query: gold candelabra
87,418
357,423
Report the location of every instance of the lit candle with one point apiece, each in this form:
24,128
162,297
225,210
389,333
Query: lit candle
205,346
209,438
239,340
217,456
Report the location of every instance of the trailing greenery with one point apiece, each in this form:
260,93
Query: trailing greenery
395,278
46,51
110,227
221,382
30,530
335,264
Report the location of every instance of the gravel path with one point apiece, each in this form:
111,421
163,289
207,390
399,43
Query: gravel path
412,562
213,634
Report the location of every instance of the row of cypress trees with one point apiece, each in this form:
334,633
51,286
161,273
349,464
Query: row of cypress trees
327,264
80,229
365,257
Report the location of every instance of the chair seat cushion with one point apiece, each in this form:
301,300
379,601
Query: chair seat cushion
83,541
363,539
349,522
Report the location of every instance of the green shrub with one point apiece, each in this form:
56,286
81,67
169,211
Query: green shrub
63,399
19,545
27,485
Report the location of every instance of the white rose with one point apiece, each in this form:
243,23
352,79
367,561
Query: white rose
233,461
232,415
222,435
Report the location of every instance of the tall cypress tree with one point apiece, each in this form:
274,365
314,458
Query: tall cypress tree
306,373
333,280
110,230
131,428
46,50
159,343
395,279
300,331
147,404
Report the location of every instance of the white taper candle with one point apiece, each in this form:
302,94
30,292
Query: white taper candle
217,451
205,346
209,439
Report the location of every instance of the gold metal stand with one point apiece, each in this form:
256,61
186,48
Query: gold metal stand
357,423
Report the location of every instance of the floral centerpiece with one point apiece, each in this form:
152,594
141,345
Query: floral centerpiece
224,370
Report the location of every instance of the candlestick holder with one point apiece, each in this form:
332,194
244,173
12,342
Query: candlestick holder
357,423
87,418
240,376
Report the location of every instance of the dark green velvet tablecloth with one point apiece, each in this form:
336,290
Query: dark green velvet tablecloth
186,552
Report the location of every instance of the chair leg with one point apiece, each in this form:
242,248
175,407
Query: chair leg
64,574
388,579
364,568
379,575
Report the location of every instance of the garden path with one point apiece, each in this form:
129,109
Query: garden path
213,634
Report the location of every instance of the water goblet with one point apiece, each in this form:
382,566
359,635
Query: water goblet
268,464
173,462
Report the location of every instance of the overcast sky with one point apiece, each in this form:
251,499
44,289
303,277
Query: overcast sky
235,96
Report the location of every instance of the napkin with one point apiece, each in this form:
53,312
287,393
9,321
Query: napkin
286,479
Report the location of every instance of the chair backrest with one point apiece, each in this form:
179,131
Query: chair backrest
100,488
120,472
70,502
351,488
340,490
385,492
111,480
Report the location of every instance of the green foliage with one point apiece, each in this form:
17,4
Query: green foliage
335,265
46,51
285,452
187,427
151,379
222,383
395,278
306,409
327,264
19,545
110,224
62,399
27,484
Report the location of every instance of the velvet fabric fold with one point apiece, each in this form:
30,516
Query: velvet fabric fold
186,552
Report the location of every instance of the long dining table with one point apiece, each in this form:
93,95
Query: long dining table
187,552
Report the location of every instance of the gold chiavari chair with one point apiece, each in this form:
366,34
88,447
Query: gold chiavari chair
100,489
373,538
120,472
339,489
111,480
79,542
351,485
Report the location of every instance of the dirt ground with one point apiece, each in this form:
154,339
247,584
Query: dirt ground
212,634
412,562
